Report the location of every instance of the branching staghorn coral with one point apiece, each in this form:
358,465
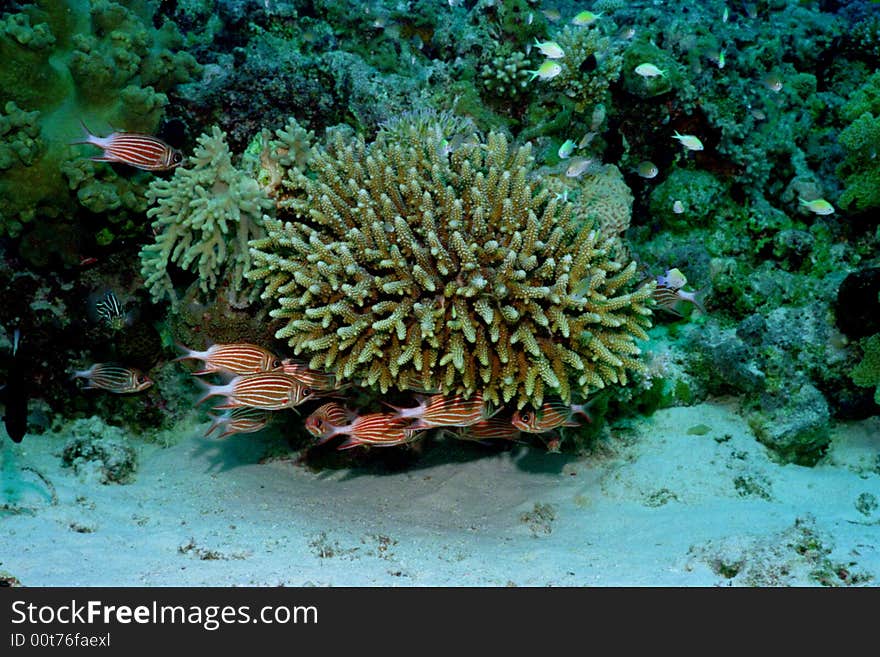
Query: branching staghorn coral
592,62
405,265
204,216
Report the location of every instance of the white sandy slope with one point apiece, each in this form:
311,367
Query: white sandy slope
656,506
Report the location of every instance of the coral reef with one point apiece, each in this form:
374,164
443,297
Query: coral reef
797,430
66,61
99,452
203,218
605,198
700,194
507,78
867,372
400,263
860,169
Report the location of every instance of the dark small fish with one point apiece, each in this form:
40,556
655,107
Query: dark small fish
17,393
668,299
111,312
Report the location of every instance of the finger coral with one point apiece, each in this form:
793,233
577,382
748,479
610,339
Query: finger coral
203,218
411,263
592,63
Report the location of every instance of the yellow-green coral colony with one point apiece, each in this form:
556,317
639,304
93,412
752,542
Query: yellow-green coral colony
406,263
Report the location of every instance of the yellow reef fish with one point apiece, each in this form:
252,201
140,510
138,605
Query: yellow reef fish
818,206
647,170
550,49
690,142
585,18
648,70
547,71
566,149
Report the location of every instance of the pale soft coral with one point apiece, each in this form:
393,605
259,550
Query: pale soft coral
204,217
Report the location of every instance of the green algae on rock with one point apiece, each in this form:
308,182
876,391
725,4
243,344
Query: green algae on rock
410,263
66,61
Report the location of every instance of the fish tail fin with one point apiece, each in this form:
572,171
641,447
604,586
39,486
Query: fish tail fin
410,411
87,137
490,412
699,299
218,421
81,374
418,425
189,354
398,409
214,390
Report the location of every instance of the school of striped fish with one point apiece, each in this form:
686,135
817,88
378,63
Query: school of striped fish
257,383
260,383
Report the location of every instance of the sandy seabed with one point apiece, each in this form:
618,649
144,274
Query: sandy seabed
686,497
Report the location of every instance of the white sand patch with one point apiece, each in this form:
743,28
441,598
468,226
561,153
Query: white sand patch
663,506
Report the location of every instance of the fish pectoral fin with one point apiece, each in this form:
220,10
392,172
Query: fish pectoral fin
348,444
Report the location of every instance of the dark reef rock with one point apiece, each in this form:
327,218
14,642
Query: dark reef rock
729,363
797,430
100,452
858,303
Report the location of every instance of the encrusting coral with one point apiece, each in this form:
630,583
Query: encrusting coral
415,264
66,61
860,170
203,218
867,372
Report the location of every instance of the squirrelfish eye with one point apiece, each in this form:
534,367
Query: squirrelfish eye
526,417
176,157
276,363
307,392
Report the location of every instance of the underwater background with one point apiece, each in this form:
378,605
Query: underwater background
440,292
